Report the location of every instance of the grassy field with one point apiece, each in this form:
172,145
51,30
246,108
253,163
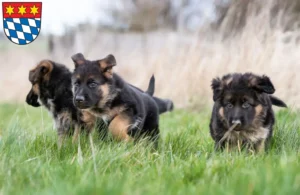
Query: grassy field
30,162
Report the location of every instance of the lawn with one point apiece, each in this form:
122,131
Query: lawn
185,163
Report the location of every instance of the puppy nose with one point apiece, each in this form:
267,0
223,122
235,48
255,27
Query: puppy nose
79,99
236,121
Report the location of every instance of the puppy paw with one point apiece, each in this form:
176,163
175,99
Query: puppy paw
135,127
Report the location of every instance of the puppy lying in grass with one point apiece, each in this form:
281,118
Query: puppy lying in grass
128,112
51,88
242,113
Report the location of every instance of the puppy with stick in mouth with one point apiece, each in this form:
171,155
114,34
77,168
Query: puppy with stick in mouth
242,113
128,112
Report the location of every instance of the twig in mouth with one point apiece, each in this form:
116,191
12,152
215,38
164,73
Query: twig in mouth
226,135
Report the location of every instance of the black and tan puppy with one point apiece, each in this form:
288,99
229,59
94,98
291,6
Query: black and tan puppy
51,87
129,112
242,112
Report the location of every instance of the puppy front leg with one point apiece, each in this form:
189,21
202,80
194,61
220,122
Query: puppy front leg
135,128
77,131
259,147
60,133
63,124
61,138
89,121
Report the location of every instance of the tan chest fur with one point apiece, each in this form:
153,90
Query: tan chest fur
108,115
252,136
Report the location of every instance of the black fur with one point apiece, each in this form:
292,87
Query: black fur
277,102
164,105
151,87
243,99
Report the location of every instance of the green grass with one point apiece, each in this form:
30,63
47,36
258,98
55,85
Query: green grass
30,162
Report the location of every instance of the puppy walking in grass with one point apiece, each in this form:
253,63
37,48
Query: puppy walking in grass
242,114
128,111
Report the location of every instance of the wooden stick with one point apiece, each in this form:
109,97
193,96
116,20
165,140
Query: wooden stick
225,136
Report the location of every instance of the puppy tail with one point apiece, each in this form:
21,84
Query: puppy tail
164,105
151,86
277,102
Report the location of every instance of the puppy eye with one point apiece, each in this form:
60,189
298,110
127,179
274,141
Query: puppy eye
229,105
93,85
246,105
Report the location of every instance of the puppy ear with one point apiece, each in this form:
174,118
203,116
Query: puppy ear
107,64
217,88
41,71
78,59
263,84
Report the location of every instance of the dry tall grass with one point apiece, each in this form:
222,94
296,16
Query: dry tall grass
264,42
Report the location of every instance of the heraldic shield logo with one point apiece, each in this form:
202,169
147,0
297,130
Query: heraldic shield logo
22,21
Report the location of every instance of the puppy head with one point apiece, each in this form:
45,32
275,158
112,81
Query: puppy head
38,76
242,98
92,81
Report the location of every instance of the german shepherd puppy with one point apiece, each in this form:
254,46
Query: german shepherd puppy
242,112
51,87
129,112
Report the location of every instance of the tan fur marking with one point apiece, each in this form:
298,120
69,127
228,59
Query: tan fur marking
36,89
119,127
89,119
257,122
105,95
47,64
252,82
103,64
89,124
80,62
78,76
34,75
221,112
108,73
258,110
109,114
115,111
228,81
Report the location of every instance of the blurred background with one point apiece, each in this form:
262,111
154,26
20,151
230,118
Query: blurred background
184,43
